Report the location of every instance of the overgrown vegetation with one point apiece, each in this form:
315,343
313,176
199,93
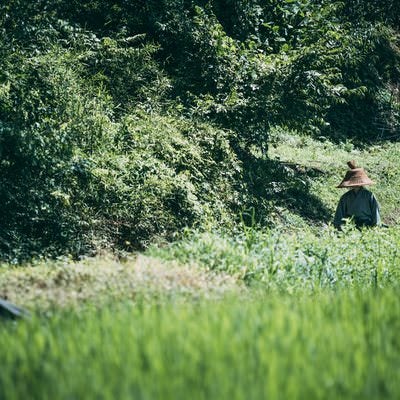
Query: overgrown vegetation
123,122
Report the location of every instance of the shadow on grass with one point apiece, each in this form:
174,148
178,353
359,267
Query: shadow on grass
273,185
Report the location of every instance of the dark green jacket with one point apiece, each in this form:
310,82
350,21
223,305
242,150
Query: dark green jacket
361,206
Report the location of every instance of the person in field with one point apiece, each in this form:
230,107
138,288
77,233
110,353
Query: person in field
358,204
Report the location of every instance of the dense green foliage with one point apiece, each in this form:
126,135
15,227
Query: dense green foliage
123,122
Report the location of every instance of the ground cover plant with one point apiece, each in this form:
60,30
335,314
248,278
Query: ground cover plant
47,287
296,259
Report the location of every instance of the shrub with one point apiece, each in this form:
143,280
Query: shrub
164,174
73,177
49,126
121,122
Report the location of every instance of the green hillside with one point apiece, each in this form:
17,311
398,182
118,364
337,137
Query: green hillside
123,123
320,165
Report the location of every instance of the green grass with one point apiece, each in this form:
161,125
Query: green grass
294,260
319,320
328,346
293,311
329,159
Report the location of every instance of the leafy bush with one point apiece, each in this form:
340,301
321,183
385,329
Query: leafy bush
48,125
298,63
164,174
126,69
70,175
125,121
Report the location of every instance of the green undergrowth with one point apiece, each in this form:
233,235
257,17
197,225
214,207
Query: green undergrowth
213,263
296,260
327,346
319,165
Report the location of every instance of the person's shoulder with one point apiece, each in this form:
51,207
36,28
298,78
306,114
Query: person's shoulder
367,193
346,195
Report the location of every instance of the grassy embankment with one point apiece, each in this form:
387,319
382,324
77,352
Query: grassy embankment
288,312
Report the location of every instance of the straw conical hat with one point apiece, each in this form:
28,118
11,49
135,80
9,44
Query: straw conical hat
355,177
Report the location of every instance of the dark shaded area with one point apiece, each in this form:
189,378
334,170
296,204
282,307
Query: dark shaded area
11,311
387,11
272,183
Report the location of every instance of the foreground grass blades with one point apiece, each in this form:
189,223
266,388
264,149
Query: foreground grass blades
326,346
318,319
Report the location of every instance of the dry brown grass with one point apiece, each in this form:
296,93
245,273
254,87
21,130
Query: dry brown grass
97,281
